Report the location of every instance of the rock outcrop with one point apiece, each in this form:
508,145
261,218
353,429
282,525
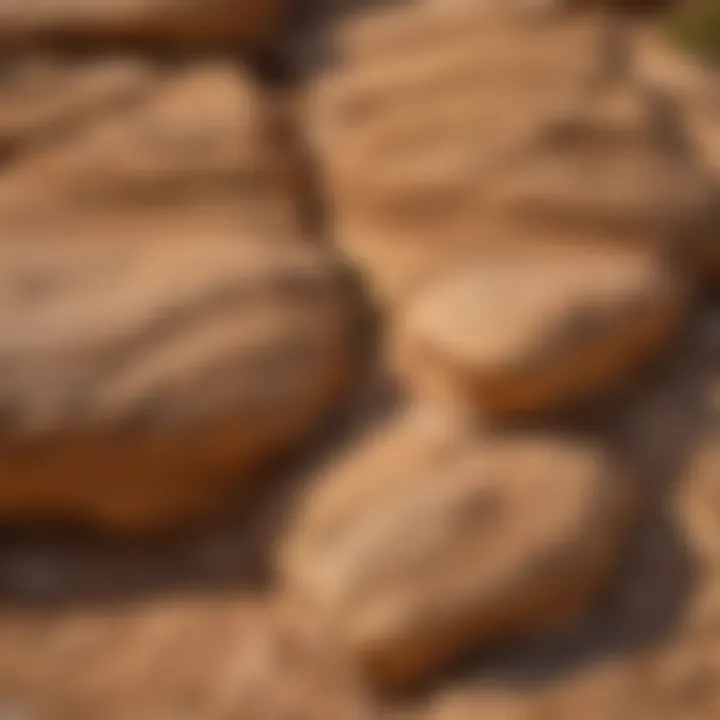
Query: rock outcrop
213,658
426,544
444,130
200,138
538,330
143,381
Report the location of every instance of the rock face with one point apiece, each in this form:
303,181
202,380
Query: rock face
427,101
531,211
154,23
41,97
466,127
675,676
424,546
142,382
538,330
617,168
214,659
199,138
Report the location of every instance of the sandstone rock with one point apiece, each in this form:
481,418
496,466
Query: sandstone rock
426,101
143,383
535,331
154,23
466,79
606,669
466,127
616,168
426,544
166,659
396,26
43,96
200,138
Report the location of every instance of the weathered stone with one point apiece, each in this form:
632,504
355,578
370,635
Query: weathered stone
427,102
201,138
536,331
467,127
166,659
172,24
466,80
652,649
426,544
143,382
614,169
41,96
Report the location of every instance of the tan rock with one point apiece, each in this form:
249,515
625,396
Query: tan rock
391,28
467,79
200,138
154,23
143,383
530,332
652,649
41,97
428,99
466,127
425,544
165,659
615,168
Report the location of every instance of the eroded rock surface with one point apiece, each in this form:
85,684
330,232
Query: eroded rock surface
43,96
466,127
200,139
523,203
422,104
426,544
142,382
538,330
677,676
216,659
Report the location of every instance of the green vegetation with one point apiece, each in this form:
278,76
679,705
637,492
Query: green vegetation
697,26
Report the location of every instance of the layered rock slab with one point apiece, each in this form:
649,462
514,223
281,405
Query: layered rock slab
426,544
538,330
465,127
676,675
43,96
143,383
421,101
200,138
